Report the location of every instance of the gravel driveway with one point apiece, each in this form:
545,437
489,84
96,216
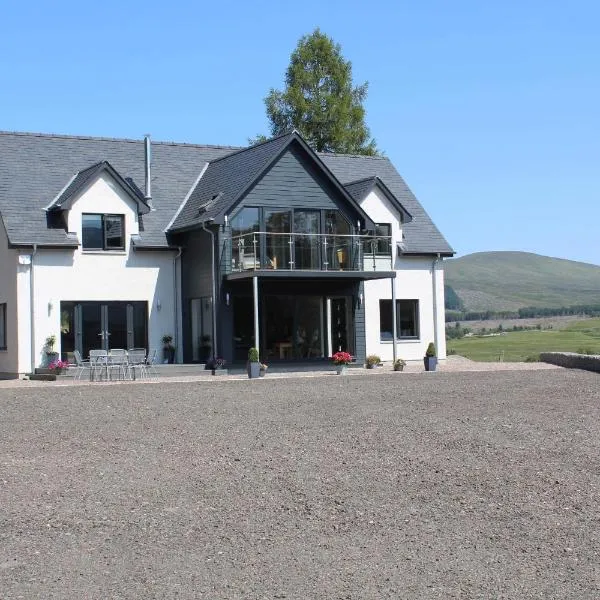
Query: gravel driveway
425,485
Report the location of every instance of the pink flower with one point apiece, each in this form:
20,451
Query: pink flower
342,358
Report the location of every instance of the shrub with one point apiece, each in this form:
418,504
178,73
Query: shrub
430,350
451,351
532,358
372,360
399,364
253,355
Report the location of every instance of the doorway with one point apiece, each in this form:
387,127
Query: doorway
85,326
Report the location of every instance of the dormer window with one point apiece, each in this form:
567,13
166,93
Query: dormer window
103,232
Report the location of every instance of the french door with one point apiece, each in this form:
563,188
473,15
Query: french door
103,325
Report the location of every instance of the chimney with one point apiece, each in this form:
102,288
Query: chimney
147,163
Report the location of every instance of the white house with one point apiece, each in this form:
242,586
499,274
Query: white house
108,243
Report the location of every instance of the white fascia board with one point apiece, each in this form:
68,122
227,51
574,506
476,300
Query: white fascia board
187,196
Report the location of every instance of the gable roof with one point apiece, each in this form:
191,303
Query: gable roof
34,169
228,179
421,236
83,179
361,188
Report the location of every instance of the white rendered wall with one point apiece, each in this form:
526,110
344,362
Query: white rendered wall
414,281
8,295
79,275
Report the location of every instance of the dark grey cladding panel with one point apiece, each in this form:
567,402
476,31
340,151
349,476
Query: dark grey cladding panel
292,182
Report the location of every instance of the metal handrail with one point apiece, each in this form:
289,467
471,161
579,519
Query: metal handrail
248,248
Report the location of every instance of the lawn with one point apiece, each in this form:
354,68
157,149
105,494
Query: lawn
518,345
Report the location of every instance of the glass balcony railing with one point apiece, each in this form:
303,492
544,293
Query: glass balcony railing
310,252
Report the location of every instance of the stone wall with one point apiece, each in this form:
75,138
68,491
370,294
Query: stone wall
571,360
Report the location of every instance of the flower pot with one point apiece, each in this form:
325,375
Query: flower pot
370,366
169,354
51,357
253,370
341,369
430,363
398,367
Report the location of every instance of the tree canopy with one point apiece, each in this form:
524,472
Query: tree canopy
320,101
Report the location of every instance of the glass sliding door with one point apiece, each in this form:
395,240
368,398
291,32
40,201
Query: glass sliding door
277,244
201,312
292,327
306,244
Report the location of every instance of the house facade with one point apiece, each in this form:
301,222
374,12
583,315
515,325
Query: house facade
108,243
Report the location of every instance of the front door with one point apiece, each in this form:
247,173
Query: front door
103,325
340,325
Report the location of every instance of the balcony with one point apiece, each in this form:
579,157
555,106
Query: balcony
293,252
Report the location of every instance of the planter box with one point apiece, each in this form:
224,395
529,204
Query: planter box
253,370
430,363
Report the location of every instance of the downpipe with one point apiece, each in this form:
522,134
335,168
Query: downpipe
435,321
32,307
175,319
214,290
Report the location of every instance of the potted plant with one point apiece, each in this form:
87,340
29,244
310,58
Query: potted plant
168,349
51,355
399,364
253,363
430,358
341,360
57,366
204,348
263,369
216,364
372,361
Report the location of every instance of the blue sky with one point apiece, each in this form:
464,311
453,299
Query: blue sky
490,111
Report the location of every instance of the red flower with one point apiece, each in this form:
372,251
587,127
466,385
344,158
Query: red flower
342,358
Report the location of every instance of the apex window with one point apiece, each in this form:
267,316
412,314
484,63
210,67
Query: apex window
103,232
407,319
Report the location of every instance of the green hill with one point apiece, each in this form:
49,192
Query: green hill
499,281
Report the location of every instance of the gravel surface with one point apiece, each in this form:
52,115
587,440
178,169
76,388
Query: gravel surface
425,485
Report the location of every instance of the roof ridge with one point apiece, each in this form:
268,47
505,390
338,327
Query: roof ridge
115,139
246,148
361,156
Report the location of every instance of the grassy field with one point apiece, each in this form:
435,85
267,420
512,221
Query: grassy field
510,280
518,345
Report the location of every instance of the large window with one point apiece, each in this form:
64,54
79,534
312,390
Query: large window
103,232
3,326
407,319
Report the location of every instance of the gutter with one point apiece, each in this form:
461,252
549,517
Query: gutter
175,320
32,308
214,289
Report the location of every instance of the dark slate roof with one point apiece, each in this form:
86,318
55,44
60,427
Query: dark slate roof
362,187
65,198
35,168
421,236
228,179
225,180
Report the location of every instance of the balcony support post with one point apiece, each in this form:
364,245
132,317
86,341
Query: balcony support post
394,324
255,298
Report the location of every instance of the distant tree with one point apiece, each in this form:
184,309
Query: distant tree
320,101
452,299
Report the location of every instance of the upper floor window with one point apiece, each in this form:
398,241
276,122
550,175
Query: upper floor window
3,326
103,232
383,246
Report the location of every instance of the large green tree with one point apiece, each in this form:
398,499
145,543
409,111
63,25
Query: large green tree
320,101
